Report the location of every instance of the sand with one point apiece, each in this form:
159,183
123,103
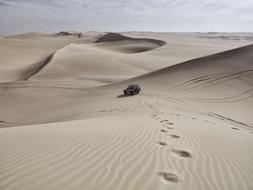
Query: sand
66,125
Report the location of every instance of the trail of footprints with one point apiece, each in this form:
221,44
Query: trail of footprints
165,176
168,177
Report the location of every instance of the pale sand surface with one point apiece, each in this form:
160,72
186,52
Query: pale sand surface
66,125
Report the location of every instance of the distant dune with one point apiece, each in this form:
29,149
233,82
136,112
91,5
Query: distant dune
133,45
113,37
65,123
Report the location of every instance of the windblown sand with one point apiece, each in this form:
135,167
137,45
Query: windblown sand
66,125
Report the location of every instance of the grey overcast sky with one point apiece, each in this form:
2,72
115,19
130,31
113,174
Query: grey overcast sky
18,16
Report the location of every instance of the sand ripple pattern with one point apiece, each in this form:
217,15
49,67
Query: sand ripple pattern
117,153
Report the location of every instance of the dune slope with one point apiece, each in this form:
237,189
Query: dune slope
22,54
222,83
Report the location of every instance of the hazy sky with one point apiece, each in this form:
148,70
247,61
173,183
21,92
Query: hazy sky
18,16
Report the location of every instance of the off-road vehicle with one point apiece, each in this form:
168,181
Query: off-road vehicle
132,89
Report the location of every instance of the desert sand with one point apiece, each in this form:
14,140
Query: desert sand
65,124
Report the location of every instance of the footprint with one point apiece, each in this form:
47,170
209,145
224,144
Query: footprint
167,177
170,123
175,136
234,128
169,127
164,131
194,118
182,153
162,143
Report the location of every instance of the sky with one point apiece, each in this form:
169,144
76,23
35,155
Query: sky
19,16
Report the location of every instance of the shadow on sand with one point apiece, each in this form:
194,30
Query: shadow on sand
122,96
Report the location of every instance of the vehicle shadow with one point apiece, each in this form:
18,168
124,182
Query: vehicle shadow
122,96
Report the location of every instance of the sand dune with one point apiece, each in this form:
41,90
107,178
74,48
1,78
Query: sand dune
101,65
87,62
106,62
126,44
220,82
114,37
15,66
211,81
66,125
21,53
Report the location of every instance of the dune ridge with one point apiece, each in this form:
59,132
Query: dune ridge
37,67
